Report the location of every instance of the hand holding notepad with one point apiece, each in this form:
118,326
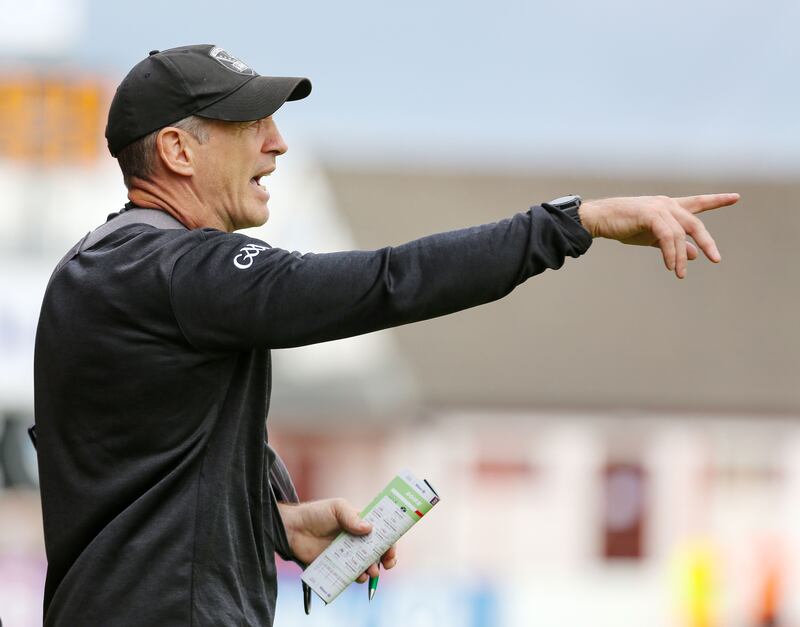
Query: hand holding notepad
403,502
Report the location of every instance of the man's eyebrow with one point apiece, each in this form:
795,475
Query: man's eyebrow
248,124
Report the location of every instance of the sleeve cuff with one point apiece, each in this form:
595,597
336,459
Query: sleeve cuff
579,238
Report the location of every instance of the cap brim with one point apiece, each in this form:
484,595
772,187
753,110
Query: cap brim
257,98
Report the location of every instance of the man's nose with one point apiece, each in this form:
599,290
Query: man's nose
283,147
274,141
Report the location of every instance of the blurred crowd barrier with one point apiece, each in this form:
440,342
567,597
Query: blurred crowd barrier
563,519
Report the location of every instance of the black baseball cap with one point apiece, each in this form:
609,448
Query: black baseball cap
203,80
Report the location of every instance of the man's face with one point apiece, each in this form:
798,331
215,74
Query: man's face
229,167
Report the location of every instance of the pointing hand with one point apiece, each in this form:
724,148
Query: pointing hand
658,221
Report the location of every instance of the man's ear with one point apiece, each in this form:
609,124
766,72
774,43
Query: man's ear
174,148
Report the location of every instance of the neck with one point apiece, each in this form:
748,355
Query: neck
182,204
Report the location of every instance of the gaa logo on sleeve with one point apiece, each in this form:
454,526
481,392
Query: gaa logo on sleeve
246,255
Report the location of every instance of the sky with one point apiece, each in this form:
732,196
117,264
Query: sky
688,84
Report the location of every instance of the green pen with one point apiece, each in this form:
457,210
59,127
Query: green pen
373,584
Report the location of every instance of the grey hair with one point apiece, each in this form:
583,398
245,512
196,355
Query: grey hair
137,160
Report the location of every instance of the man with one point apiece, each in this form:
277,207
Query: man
152,357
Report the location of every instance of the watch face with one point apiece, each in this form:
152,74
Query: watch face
564,200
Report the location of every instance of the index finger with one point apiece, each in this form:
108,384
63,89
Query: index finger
704,202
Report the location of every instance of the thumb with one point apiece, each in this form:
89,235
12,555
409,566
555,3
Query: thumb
349,520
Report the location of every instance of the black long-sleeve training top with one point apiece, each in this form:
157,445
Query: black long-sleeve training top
152,384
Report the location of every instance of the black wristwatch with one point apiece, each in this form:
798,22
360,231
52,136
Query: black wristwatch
569,205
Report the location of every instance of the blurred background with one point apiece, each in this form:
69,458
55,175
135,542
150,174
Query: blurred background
612,446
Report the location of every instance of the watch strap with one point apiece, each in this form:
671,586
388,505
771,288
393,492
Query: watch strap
569,205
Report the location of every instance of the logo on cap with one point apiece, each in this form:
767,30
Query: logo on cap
230,62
